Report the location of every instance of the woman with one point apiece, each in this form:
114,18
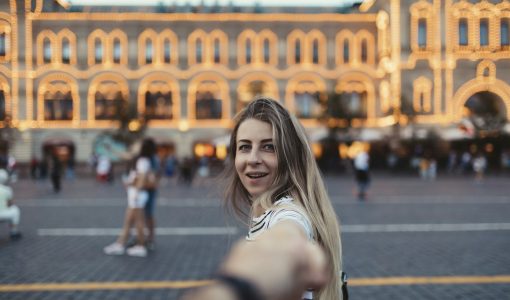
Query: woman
138,195
273,174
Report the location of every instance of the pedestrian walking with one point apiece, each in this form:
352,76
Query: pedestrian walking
8,211
361,169
273,174
139,180
479,166
149,146
55,172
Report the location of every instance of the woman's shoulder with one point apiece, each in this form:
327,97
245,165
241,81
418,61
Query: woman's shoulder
287,209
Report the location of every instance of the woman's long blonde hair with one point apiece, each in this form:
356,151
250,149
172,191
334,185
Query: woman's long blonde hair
297,176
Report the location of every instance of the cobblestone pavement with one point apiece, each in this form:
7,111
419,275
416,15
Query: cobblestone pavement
407,228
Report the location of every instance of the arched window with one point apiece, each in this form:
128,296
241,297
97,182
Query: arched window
217,51
2,105
148,51
307,104
3,44
47,51
267,51
117,51
66,51
315,51
167,52
346,54
364,51
297,51
198,52
422,33
98,51
463,32
248,51
207,106
505,32
158,105
58,106
484,32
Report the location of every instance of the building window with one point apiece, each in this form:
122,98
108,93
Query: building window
148,52
66,51
346,54
158,105
47,51
98,49
3,44
117,51
307,105
505,32
315,50
108,108
216,51
207,106
167,52
484,32
463,32
198,52
248,51
58,106
422,33
267,50
2,105
297,52
364,51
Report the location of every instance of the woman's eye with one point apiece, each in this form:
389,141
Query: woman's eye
268,147
244,147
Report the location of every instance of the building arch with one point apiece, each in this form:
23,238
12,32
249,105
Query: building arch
297,38
169,36
245,95
58,83
5,31
117,34
6,89
367,37
341,38
486,69
102,37
146,36
197,36
359,83
421,10
244,37
312,37
213,83
71,38
309,85
498,87
42,37
109,83
272,40
222,39
169,85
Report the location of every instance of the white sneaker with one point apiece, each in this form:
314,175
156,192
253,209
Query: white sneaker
139,251
114,249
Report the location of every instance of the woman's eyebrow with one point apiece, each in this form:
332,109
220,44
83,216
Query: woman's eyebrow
244,141
267,141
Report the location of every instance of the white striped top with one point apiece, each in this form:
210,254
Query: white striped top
282,210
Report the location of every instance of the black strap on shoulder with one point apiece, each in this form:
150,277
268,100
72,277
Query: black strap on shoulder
345,293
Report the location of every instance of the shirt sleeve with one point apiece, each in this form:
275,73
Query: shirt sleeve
289,214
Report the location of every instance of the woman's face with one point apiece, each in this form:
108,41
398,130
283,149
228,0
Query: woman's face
255,161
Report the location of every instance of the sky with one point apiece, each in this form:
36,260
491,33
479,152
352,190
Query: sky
220,2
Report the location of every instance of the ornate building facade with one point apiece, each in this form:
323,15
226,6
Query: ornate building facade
427,65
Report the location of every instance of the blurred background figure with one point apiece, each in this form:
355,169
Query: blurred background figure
361,168
34,167
103,168
479,166
8,211
56,172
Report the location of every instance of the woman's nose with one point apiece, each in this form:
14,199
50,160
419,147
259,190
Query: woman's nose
254,157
